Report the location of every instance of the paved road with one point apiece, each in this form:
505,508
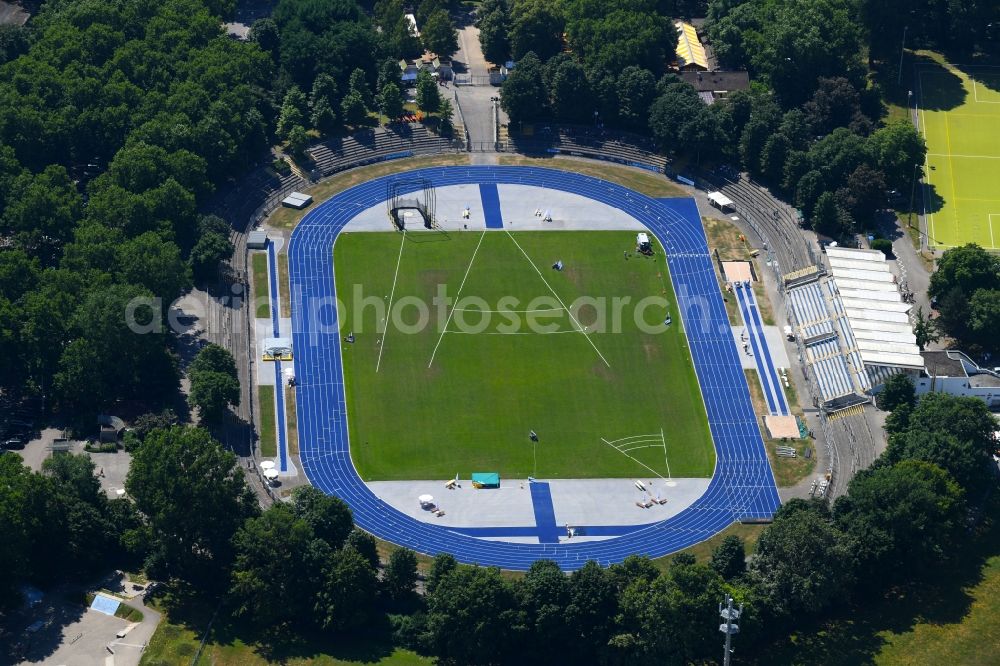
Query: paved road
477,107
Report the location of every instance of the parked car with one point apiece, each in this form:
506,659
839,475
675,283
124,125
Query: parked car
14,443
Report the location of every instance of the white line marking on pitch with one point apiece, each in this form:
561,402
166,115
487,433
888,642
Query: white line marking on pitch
664,439
457,296
579,326
392,293
631,458
981,157
989,222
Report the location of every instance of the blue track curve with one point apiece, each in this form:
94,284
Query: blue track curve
742,487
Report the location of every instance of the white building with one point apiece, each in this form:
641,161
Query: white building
953,372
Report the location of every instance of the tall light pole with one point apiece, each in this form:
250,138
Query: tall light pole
729,627
902,47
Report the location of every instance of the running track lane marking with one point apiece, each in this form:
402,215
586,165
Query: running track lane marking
392,294
574,319
451,312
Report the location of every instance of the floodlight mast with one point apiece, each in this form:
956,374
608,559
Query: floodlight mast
729,627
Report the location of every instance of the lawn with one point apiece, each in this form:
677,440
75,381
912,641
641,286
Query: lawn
286,301
265,409
491,381
959,114
787,471
261,290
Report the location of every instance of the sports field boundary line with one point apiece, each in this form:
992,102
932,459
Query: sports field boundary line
451,312
666,460
580,327
989,223
392,294
638,462
981,157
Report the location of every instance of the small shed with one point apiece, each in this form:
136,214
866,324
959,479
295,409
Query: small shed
256,240
297,200
720,201
485,480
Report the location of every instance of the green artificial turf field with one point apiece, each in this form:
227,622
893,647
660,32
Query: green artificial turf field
959,115
471,409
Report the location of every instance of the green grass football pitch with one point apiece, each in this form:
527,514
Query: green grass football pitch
959,115
526,366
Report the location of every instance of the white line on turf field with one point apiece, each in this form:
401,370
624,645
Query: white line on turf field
579,326
989,223
388,311
631,458
505,311
457,296
511,333
664,440
982,157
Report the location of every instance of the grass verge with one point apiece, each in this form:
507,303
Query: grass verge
283,294
787,471
287,218
703,551
268,433
261,292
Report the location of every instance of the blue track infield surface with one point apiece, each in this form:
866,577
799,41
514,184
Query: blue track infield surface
742,486
545,513
491,205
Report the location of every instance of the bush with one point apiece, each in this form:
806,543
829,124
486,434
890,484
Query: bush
883,245
281,166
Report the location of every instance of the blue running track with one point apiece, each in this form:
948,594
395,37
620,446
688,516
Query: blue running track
776,402
279,387
491,205
742,486
545,513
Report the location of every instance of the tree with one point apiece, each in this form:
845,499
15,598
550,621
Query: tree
346,590
270,582
984,318
390,101
194,497
523,95
442,565
899,151
439,35
359,84
353,109
364,544
571,94
445,124
542,596
925,330
863,194
593,603
835,103
400,577
962,459
636,92
828,218
214,383
469,608
613,36
670,114
151,262
329,517
968,267
729,558
803,562
212,248
493,28
898,390
912,512
264,32
772,161
428,96
536,27
294,111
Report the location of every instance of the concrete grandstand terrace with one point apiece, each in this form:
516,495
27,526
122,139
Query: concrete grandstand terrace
742,486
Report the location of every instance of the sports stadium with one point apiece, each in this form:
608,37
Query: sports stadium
513,363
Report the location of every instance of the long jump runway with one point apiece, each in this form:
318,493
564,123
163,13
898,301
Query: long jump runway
742,486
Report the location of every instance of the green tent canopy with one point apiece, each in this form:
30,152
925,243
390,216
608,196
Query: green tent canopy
485,480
